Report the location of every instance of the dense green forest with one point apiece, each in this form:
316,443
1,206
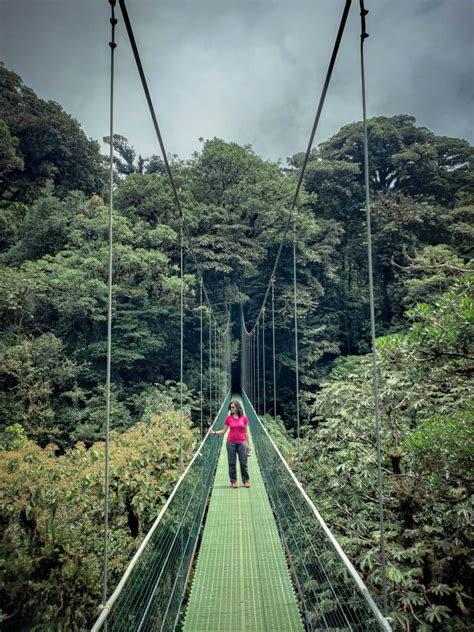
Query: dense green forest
53,286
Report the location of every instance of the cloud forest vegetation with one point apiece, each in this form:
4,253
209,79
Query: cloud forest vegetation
53,287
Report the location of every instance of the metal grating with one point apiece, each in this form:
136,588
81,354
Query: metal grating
241,580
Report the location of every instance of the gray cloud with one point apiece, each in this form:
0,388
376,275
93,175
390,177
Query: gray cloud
245,71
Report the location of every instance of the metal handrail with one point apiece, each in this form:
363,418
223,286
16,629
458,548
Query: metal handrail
345,560
106,609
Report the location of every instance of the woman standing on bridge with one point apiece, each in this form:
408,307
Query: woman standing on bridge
237,442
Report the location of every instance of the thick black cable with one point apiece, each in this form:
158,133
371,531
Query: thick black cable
141,72
332,62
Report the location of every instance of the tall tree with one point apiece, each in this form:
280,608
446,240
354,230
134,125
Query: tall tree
406,158
51,145
125,163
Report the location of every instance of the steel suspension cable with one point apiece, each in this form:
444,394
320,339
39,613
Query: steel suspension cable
169,172
223,352
254,334
244,365
184,226
273,348
273,354
229,362
252,373
224,360
181,349
249,365
112,45
181,383
363,37
213,364
254,384
250,338
210,370
201,373
251,368
247,362
219,364
244,339
297,364
263,362
218,360
222,365
258,366
216,366
201,349
322,99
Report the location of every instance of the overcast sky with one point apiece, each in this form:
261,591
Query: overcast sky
249,71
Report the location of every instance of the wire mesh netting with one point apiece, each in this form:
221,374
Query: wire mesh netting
331,599
151,597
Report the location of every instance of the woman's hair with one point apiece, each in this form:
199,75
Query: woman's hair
238,407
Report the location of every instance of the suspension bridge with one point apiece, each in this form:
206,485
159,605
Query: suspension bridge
253,559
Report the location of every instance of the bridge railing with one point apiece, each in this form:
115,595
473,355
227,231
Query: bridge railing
333,595
150,593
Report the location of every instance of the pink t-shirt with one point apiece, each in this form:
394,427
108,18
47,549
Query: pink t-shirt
236,432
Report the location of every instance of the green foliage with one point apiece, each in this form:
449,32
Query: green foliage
443,445
61,292
403,157
50,145
445,329
427,432
433,272
36,373
422,196
277,431
53,298
51,509
166,398
461,225
125,161
13,438
46,226
9,159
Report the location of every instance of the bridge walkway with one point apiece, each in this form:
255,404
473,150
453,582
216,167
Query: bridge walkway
241,581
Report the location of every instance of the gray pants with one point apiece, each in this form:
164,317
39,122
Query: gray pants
232,450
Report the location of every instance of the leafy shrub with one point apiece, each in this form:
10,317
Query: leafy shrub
51,511
427,431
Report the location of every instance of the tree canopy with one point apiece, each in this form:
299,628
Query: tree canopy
53,295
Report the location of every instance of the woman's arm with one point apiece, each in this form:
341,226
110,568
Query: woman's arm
247,437
223,431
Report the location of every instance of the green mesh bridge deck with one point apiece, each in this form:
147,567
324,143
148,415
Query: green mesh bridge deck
241,580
